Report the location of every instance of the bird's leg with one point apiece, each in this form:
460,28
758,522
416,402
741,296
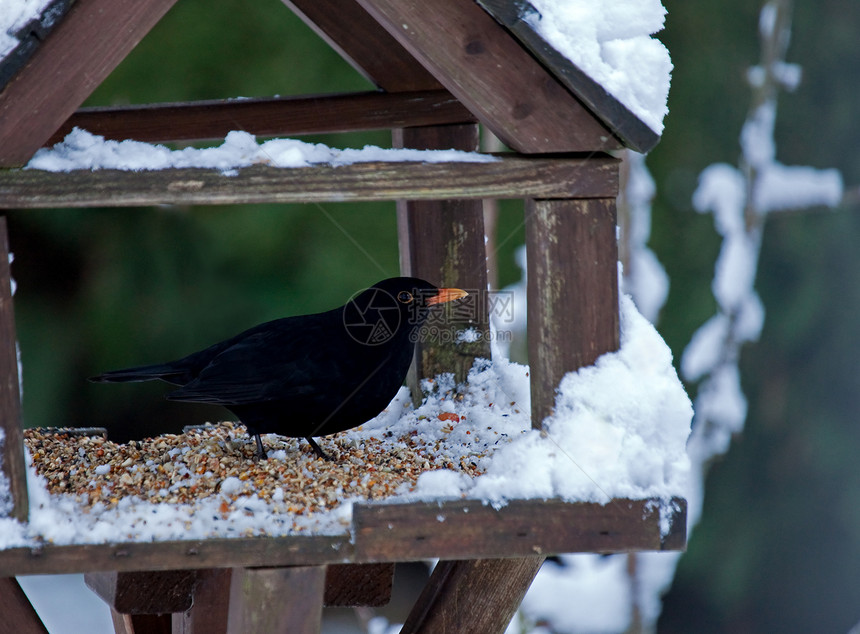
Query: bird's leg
261,452
317,449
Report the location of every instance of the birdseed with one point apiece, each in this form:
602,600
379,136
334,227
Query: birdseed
219,459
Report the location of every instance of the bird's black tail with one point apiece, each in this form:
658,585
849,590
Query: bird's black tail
162,371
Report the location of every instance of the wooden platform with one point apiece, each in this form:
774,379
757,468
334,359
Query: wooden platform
593,176
381,533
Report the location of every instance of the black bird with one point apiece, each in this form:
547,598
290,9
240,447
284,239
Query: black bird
309,375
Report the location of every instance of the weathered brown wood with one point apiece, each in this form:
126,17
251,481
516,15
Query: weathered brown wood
12,466
628,127
362,42
82,50
211,599
141,623
443,241
572,291
206,120
391,533
469,529
356,585
492,75
265,600
511,177
177,555
472,596
18,613
147,592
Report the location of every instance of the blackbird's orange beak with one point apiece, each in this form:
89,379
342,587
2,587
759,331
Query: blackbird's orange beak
446,295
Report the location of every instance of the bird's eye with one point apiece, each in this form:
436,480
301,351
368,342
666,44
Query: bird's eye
404,297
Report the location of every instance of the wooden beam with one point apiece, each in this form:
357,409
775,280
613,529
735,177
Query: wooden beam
443,241
19,616
177,555
265,600
470,529
80,53
392,533
362,42
283,116
510,177
12,465
358,585
572,256
141,623
147,592
492,75
472,596
628,127
208,612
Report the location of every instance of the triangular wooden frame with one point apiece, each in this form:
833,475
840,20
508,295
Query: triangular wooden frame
455,46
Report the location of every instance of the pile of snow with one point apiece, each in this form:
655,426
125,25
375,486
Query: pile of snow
83,150
619,430
609,40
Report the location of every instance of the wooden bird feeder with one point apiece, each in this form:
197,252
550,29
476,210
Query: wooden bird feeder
440,72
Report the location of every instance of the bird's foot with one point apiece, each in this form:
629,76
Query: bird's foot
317,450
261,451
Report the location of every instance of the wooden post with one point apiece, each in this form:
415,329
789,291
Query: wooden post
442,241
264,600
208,612
572,291
12,462
472,596
18,614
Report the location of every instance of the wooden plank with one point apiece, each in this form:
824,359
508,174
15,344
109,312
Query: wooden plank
82,50
472,596
572,257
470,529
628,127
265,600
18,613
177,555
443,241
12,465
208,612
511,177
146,592
362,42
390,533
492,75
283,116
358,585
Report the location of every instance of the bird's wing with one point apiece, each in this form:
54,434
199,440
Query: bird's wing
265,365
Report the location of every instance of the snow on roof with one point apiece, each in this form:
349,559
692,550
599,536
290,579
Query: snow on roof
15,14
619,431
609,40
82,150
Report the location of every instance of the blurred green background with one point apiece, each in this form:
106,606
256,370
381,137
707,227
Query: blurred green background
778,548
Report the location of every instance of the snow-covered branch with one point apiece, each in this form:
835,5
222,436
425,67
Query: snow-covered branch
741,198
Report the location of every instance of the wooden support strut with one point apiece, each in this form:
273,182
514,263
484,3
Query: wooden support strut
12,465
18,614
